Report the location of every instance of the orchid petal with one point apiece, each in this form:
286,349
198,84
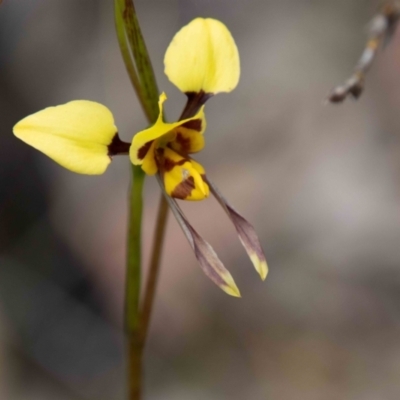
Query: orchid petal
76,135
203,57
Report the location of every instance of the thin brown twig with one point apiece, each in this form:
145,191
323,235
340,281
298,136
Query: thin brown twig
381,30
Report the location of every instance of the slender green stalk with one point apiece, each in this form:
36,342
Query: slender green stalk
151,286
144,69
133,279
134,251
140,71
127,57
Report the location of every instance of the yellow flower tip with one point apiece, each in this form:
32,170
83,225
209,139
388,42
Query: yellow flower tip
261,266
231,288
234,292
76,135
264,270
203,57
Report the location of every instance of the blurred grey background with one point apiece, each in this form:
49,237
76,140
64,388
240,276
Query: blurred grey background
320,183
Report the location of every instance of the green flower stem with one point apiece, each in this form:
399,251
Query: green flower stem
140,71
134,251
133,279
130,67
147,91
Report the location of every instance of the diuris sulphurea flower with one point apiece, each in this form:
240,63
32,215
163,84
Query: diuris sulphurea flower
165,148
202,60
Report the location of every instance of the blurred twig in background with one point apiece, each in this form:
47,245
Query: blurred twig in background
381,30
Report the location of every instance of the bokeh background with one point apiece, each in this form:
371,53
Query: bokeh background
320,183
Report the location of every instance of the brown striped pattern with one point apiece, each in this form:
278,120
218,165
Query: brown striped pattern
184,189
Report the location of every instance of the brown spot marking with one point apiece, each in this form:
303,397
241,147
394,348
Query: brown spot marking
183,142
194,124
169,164
183,190
141,153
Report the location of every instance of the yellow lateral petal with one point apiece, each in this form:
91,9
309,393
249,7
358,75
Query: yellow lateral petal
203,57
75,135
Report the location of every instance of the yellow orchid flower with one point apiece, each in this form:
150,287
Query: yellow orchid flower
165,148
202,60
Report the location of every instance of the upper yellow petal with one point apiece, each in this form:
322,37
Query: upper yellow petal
75,135
203,57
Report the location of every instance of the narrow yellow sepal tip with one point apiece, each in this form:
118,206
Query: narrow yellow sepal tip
230,286
203,57
76,135
232,291
261,266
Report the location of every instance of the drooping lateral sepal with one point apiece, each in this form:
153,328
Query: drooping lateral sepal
203,57
205,255
246,232
76,135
